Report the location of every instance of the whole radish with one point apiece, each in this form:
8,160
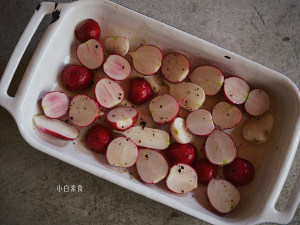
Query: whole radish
183,153
205,170
90,29
98,138
139,91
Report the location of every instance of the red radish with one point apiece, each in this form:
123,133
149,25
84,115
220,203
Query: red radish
226,116
122,118
90,29
200,122
122,152
182,178
257,103
117,45
239,172
108,93
56,128
181,153
90,54
98,138
220,148
147,59
179,131
236,90
139,91
76,78
209,78
222,195
151,166
55,104
205,171
164,108
117,67
84,110
175,67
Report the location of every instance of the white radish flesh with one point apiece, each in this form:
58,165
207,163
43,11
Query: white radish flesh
236,90
117,45
179,131
258,102
55,104
157,85
122,118
200,122
117,67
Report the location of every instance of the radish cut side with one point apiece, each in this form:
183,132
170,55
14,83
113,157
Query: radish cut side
122,152
90,54
117,45
182,178
122,118
175,67
55,104
258,102
209,78
200,122
179,131
117,67
220,148
56,128
84,110
151,166
236,90
222,195
226,116
164,108
108,93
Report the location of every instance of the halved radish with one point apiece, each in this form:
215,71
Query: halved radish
164,108
209,78
236,90
175,67
147,59
182,178
56,128
226,116
117,45
222,195
108,93
179,131
220,148
257,103
157,85
55,104
200,122
122,152
151,166
84,110
90,54
117,67
122,118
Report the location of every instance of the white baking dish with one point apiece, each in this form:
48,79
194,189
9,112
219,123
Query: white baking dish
272,163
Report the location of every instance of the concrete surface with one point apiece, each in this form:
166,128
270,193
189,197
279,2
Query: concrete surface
267,32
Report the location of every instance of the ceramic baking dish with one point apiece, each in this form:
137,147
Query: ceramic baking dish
272,161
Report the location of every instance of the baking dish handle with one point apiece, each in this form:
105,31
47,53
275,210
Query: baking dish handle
8,102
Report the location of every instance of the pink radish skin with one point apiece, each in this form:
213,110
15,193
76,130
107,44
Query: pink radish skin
257,103
122,118
151,166
236,90
90,54
55,104
200,122
117,67
56,128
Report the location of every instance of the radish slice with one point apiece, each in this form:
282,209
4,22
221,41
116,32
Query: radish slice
226,116
108,93
90,54
236,90
182,178
257,103
84,110
175,67
148,137
122,152
55,104
200,122
220,148
56,128
151,166
147,59
117,45
117,67
157,85
222,195
164,108
179,131
122,118
209,78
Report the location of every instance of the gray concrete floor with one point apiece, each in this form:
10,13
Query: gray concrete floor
267,32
